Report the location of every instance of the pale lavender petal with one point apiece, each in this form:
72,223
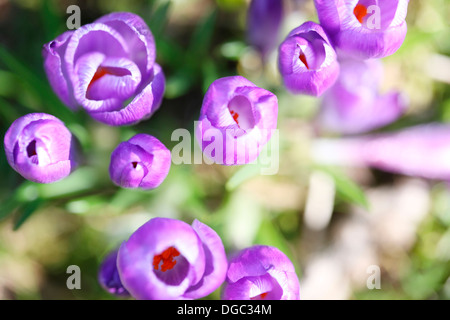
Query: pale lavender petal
139,38
215,262
144,104
55,68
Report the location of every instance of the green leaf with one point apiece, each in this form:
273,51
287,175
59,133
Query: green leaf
26,211
346,189
158,20
201,38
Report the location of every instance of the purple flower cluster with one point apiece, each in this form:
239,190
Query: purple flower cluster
169,259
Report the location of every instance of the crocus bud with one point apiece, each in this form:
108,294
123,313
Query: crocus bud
307,61
353,104
107,67
420,151
364,29
261,273
40,148
168,259
108,276
141,162
236,120
263,24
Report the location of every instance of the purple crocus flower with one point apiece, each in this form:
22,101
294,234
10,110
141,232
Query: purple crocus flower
421,151
364,29
141,162
108,276
108,67
354,105
169,259
40,148
261,273
263,25
236,120
307,61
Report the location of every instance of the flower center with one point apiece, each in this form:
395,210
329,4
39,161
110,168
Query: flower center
31,149
134,163
103,71
240,109
262,296
302,58
166,260
360,12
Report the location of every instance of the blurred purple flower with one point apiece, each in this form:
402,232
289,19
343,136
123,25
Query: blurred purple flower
141,162
354,105
421,151
364,29
40,148
307,61
103,65
263,25
108,276
261,272
236,120
169,259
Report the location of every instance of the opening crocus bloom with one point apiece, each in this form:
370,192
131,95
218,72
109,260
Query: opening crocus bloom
261,273
40,148
108,276
364,29
141,162
236,120
420,151
263,25
169,259
307,61
107,67
353,104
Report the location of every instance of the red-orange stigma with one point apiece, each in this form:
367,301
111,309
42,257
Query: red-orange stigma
235,116
262,296
360,12
302,58
167,258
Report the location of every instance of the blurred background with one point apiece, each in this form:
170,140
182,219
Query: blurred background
333,222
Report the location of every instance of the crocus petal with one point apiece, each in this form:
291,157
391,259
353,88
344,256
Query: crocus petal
215,262
377,33
354,105
139,37
55,68
108,276
141,162
40,148
236,120
307,61
136,258
261,272
421,151
263,24
144,104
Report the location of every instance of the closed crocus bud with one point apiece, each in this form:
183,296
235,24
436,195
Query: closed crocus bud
420,151
107,67
364,29
307,61
169,259
40,148
108,276
141,162
236,120
263,25
261,273
354,104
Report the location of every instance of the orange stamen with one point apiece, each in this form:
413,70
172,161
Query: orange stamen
302,58
235,116
167,258
360,12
